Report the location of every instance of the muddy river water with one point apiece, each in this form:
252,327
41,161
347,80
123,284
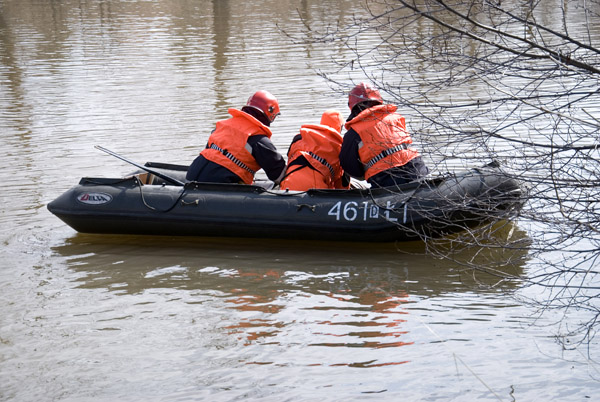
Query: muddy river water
131,318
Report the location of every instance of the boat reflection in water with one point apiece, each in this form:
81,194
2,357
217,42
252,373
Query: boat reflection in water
306,299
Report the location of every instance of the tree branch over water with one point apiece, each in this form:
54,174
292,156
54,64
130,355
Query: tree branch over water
511,81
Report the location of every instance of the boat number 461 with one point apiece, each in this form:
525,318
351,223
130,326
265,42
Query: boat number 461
352,210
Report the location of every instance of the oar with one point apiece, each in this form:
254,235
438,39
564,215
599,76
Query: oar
154,172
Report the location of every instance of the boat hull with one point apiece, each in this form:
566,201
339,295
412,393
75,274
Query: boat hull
412,212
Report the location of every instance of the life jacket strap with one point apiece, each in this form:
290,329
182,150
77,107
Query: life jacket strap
324,162
231,157
384,154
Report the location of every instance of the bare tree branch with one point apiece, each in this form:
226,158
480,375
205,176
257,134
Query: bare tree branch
482,80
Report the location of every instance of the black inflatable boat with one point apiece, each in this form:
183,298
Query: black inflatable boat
145,203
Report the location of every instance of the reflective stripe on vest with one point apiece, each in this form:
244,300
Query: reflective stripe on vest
324,162
232,158
384,154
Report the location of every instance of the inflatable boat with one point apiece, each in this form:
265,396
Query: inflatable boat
158,201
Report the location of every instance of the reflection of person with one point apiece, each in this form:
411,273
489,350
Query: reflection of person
313,157
241,145
376,146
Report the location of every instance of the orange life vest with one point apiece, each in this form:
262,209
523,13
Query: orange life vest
384,139
228,144
320,145
303,178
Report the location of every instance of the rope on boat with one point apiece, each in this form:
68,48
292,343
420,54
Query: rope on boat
141,186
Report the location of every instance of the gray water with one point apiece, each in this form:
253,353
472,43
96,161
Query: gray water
89,317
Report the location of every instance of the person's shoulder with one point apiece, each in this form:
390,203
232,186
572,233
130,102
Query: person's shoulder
261,142
351,135
296,138
254,139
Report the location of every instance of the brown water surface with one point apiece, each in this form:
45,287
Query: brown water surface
86,317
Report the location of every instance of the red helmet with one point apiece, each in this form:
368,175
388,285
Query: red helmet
361,93
266,103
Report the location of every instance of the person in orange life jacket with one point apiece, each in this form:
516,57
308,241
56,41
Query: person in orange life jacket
376,145
241,145
313,156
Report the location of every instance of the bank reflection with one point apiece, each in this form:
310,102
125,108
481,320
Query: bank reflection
323,296
222,15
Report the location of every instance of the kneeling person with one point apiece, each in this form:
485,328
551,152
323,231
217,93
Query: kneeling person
313,156
241,145
377,146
